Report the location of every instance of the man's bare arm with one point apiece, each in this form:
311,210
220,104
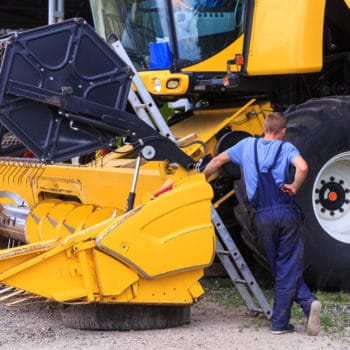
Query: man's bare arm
301,170
216,163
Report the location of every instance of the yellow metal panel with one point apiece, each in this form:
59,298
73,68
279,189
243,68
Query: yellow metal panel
54,269
175,288
170,234
102,186
178,288
208,122
196,290
114,277
55,278
286,37
347,2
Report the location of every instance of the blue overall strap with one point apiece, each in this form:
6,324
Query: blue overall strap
257,160
256,155
276,156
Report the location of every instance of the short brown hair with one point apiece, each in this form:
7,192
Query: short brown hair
275,122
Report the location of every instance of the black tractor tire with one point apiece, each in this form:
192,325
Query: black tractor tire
122,317
320,129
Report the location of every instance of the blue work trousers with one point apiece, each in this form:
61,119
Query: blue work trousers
280,231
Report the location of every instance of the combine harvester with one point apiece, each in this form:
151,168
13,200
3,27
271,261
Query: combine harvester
65,93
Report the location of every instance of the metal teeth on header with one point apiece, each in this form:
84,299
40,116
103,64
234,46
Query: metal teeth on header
57,219
11,296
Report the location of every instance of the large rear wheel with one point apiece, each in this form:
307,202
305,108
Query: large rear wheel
320,128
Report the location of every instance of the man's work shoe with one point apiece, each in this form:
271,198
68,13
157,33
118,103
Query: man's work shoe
288,329
314,322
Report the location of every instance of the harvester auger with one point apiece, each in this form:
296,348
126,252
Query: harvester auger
63,93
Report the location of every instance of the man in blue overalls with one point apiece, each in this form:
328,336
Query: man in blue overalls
265,163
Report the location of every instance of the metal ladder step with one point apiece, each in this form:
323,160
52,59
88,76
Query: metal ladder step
141,106
238,270
237,280
223,252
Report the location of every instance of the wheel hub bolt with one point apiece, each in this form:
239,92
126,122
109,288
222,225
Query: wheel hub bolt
330,194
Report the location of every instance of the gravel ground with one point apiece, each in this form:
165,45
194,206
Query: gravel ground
216,322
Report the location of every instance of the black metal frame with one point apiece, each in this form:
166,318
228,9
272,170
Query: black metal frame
64,91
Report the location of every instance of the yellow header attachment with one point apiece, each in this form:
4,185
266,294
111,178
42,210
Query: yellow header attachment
153,254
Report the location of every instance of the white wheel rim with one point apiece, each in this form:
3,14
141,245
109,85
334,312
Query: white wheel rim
331,197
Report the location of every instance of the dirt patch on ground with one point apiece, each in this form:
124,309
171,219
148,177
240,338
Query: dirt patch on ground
216,323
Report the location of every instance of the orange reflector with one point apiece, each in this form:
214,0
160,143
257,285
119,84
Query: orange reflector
239,60
332,196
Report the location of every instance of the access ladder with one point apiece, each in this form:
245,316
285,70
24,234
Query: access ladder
238,270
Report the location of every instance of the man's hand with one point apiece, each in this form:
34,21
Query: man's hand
290,189
301,169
